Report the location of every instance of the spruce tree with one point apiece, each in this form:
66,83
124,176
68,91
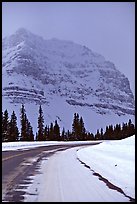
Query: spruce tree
101,134
69,135
117,132
31,136
2,129
63,134
45,137
82,132
78,129
106,134
90,136
26,128
131,128
124,131
56,131
75,127
97,135
5,126
40,125
51,132
46,133
110,132
29,131
13,129
23,119
36,136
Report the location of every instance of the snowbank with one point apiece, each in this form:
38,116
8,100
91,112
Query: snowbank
115,161
7,146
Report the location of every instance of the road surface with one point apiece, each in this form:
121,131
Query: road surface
58,176
17,166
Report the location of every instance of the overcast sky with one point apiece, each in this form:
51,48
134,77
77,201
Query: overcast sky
107,28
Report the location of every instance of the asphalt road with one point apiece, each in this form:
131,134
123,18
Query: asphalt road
17,166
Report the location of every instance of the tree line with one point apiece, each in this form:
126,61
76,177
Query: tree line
52,132
116,132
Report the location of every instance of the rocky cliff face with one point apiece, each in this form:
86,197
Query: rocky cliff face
37,71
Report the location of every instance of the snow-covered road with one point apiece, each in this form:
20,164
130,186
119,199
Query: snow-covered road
63,178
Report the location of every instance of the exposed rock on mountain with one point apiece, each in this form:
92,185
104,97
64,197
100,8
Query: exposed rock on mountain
37,71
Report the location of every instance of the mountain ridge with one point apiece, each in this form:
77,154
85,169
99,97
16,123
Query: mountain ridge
37,71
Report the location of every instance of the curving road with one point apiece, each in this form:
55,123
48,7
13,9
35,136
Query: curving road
17,166
58,176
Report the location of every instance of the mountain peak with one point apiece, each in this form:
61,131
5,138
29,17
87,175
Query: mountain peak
38,71
22,30
22,35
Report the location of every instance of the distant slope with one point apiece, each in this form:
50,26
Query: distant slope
65,78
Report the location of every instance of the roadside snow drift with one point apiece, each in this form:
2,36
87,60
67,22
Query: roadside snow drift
115,161
62,177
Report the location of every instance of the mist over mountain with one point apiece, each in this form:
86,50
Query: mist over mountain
64,77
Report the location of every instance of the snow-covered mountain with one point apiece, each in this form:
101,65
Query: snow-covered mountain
64,77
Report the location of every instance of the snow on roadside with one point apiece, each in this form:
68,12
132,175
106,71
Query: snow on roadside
115,161
62,178
8,146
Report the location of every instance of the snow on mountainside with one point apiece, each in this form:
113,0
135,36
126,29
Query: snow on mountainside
64,77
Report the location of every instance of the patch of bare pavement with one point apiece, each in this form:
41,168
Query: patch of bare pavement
19,166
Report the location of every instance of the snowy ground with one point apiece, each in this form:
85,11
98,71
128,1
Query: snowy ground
25,145
114,160
8,146
63,178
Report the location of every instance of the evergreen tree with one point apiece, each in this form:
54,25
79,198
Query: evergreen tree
5,126
40,125
82,131
92,136
97,135
117,132
124,131
89,136
2,128
23,118
131,128
78,129
63,136
56,131
26,128
45,137
51,132
36,136
29,131
75,127
69,135
13,129
31,134
106,134
48,132
101,134
110,132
